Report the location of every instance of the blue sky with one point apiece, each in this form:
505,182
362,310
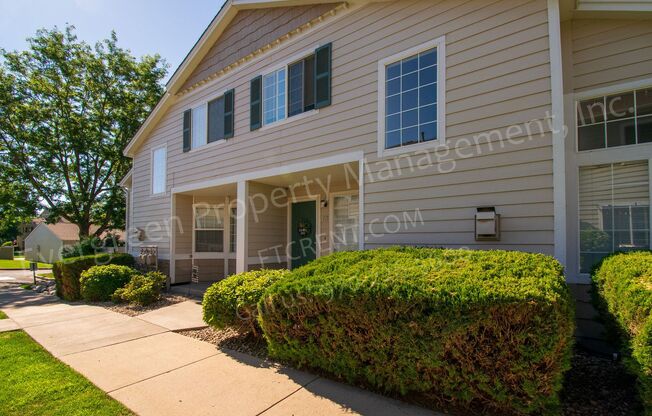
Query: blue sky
167,27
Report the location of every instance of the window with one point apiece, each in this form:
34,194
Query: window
615,120
274,96
233,227
409,97
345,222
198,130
614,203
301,86
209,229
159,161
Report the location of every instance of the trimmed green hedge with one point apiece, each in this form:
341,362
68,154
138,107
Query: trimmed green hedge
465,330
141,289
99,282
624,285
67,272
232,302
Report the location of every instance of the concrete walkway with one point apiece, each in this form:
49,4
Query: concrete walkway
157,372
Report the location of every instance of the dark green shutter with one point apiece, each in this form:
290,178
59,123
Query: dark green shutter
229,104
187,129
323,76
256,103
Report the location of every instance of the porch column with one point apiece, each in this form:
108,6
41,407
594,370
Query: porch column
242,220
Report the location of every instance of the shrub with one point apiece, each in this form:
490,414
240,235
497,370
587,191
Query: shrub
232,301
8,244
99,282
623,283
141,289
489,330
86,247
67,272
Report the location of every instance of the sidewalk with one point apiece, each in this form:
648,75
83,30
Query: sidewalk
154,371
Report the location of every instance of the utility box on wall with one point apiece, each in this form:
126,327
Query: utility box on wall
487,224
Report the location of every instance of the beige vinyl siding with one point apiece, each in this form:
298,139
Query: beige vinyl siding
497,75
607,52
251,30
267,223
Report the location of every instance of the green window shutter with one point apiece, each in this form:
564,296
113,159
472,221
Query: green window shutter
187,126
256,103
229,105
323,76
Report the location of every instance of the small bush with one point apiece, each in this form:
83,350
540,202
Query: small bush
8,244
232,301
624,285
67,272
141,289
466,330
86,247
99,282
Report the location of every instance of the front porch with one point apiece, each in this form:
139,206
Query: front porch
274,219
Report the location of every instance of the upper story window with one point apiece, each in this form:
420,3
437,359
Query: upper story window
300,86
274,96
411,97
615,120
209,122
159,170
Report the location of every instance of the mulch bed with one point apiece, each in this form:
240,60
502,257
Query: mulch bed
231,340
598,386
167,299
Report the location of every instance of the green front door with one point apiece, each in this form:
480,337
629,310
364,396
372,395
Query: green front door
304,247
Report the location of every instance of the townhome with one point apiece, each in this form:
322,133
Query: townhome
294,129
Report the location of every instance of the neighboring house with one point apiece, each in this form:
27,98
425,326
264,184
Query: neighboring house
24,229
46,241
296,128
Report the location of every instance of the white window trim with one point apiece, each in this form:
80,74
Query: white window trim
165,174
205,254
284,65
440,44
331,209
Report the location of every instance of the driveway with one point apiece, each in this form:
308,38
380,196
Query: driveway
18,276
155,371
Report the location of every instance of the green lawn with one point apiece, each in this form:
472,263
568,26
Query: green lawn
3,315
20,264
35,383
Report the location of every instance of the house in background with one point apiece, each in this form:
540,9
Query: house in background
24,229
294,129
46,241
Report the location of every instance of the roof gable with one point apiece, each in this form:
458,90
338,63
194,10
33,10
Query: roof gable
251,30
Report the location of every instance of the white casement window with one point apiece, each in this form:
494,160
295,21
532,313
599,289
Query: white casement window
411,99
344,222
159,170
199,126
274,96
208,229
614,210
615,120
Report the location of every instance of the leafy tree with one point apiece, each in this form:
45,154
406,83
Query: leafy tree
66,112
17,201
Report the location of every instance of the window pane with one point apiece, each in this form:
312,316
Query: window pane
644,102
393,86
428,132
295,88
428,94
274,96
393,71
590,111
392,139
280,91
409,118
428,114
216,120
614,210
409,81
409,65
393,105
410,135
209,241
409,100
644,129
428,75
199,126
209,217
621,132
591,137
159,167
393,122
345,222
620,106
428,58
